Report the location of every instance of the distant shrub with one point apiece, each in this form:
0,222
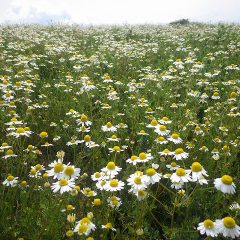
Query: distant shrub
180,22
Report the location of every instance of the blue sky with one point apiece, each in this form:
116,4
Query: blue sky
118,11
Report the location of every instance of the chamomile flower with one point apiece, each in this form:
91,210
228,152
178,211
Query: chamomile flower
151,176
56,170
161,140
225,184
83,121
141,194
114,185
113,138
153,124
181,175
175,138
179,154
115,149
111,169
109,127
70,171
9,154
114,202
197,171
165,120
228,227
172,166
208,227
10,181
136,181
144,157
162,130
63,185
109,226
84,227
166,152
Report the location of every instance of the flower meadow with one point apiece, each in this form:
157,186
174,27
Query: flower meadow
121,132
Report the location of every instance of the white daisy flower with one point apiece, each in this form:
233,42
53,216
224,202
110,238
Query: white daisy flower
181,175
228,227
151,176
109,127
166,152
136,181
63,185
141,194
161,140
175,138
10,181
109,226
208,227
144,157
162,130
173,166
84,227
179,154
198,172
165,120
225,184
57,169
70,171
114,185
111,169
114,202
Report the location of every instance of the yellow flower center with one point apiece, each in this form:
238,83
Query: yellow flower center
133,157
27,129
173,164
154,122
226,179
229,222
43,134
69,171
109,125
85,220
161,139
162,128
137,180
33,171
197,128
69,207
142,156
113,183
111,166
82,228
87,138
165,118
4,144
108,225
84,118
116,148
233,95
20,130
150,171
141,193
166,151
180,172
216,94
63,182
58,167
9,152
114,136
196,167
208,224
97,174
175,136
179,151
10,178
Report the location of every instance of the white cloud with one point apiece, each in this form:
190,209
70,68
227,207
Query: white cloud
117,11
